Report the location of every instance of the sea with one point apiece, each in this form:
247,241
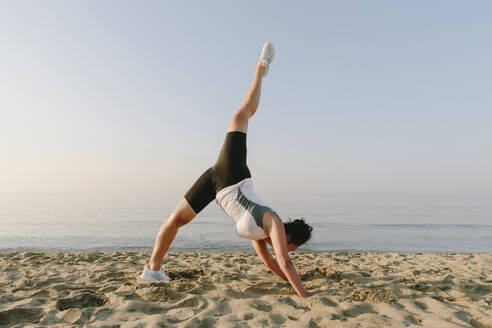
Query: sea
127,222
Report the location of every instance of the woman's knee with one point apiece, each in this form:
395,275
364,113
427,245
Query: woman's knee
239,121
181,216
244,113
179,220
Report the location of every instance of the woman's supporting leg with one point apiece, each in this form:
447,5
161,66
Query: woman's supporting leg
239,121
181,215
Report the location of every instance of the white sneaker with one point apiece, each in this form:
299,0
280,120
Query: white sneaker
150,276
267,55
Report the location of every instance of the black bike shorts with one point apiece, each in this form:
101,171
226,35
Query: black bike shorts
229,169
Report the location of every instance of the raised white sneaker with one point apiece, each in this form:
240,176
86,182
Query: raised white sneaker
267,55
150,276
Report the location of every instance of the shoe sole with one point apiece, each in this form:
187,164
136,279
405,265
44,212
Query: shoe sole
155,280
272,52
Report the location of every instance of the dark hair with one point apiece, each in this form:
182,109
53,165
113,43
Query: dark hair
299,231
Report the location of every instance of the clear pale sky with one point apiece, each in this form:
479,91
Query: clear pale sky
363,96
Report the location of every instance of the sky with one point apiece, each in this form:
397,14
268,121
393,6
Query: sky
383,97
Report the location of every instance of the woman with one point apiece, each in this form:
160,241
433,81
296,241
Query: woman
229,182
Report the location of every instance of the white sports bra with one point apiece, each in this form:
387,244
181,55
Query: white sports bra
242,205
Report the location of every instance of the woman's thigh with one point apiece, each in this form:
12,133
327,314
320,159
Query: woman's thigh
202,192
231,166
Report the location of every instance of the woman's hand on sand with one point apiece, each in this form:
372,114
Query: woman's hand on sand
311,293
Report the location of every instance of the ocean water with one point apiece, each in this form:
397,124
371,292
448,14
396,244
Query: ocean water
82,222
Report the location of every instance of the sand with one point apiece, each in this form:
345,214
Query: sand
236,290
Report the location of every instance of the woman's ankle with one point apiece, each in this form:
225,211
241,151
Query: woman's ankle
260,70
154,266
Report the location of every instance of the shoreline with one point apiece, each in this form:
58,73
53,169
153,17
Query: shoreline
224,289
225,251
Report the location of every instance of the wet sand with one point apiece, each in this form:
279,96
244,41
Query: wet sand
236,290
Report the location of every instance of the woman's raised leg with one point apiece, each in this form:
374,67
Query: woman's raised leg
239,121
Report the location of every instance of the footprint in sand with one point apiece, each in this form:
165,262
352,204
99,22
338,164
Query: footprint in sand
322,273
328,302
156,292
476,291
20,315
103,314
277,319
80,301
378,295
234,294
261,306
288,300
466,317
192,274
73,316
358,310
108,276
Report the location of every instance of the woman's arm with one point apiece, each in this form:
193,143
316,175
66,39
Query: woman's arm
262,250
276,232
279,245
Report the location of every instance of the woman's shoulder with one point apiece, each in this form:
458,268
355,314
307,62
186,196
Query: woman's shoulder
268,220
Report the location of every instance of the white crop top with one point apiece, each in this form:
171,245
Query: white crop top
242,205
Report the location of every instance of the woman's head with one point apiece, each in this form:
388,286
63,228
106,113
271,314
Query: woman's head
298,230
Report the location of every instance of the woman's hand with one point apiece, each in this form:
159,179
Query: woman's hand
311,293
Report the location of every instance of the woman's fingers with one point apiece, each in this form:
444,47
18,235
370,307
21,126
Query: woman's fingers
314,292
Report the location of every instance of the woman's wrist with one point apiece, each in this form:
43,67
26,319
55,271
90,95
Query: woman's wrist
304,294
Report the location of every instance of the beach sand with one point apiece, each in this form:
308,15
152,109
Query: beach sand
236,290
